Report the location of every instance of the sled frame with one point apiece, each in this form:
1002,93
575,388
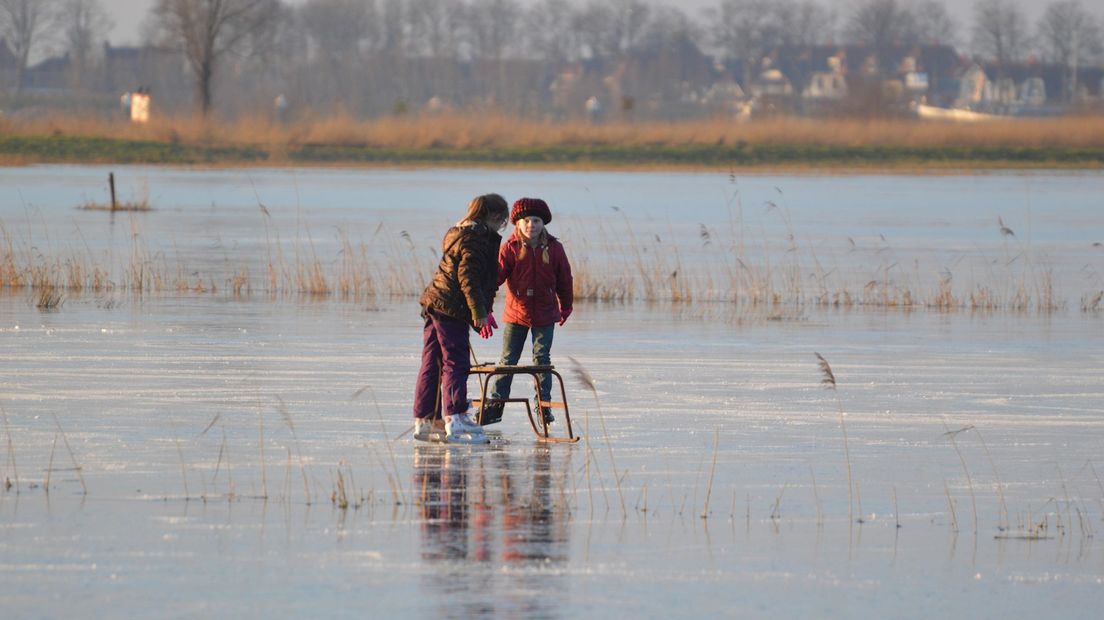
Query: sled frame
486,372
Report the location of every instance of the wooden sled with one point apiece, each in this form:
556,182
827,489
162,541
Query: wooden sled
486,372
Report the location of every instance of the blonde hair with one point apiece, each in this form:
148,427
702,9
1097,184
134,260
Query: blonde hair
483,208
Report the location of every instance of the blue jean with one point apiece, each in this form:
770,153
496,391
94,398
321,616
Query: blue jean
513,340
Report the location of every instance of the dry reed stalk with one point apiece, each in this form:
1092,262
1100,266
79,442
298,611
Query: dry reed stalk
1092,305
224,452
287,477
267,217
816,498
1004,524
50,466
11,453
588,381
180,454
712,472
950,435
261,445
72,457
401,492
286,415
747,512
951,506
239,283
829,380
1065,494
340,496
776,509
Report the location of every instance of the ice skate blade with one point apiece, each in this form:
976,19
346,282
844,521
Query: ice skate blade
469,439
434,437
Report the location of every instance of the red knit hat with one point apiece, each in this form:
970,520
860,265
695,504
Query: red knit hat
525,207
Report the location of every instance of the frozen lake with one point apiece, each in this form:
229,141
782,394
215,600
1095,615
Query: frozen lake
237,452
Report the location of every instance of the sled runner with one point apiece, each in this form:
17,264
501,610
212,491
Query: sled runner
541,428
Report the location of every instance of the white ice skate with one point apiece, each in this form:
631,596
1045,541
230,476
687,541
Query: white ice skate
460,428
426,429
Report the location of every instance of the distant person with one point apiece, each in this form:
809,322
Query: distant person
534,266
593,109
280,107
460,297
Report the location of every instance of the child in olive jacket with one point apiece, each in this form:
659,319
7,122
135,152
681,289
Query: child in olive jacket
459,298
533,265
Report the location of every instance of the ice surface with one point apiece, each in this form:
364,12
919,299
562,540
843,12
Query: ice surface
164,399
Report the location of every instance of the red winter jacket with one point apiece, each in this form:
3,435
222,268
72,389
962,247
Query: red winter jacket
538,281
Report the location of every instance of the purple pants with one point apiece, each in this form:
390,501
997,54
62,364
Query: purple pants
445,367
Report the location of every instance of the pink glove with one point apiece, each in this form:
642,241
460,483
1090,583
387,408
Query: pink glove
564,314
489,325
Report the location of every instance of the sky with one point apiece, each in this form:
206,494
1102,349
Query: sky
128,14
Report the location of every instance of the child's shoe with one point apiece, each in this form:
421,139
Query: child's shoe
546,415
460,428
429,429
492,414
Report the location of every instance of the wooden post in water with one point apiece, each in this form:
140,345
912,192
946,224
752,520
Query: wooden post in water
111,184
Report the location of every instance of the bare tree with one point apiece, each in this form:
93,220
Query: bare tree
392,26
436,27
338,27
631,19
24,24
551,35
611,29
594,27
934,25
493,25
803,23
670,28
881,24
1069,36
207,31
84,22
1000,32
739,29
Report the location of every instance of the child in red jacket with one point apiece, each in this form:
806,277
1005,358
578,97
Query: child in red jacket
537,274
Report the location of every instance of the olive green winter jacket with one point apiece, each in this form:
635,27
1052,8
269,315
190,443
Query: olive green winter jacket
464,285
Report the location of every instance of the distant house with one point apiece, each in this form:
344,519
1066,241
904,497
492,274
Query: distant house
771,83
50,75
972,89
826,90
723,96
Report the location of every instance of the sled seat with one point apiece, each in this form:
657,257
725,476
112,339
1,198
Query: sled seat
486,372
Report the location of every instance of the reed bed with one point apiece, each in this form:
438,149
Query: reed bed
454,130
625,267
260,139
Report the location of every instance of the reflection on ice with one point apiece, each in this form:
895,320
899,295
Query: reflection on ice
483,508
479,504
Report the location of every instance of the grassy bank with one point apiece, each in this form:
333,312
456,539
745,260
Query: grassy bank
492,140
83,149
